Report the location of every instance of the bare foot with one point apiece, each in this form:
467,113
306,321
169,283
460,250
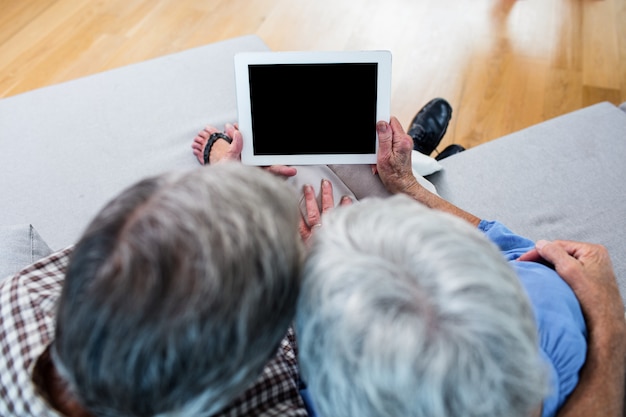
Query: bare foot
224,151
199,143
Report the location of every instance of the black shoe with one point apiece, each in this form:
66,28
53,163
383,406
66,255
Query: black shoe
450,150
429,125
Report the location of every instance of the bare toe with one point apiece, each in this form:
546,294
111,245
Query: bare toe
204,133
198,144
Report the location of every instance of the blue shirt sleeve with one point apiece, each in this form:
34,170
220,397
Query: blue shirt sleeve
561,326
511,245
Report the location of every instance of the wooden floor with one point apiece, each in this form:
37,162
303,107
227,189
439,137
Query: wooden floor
503,64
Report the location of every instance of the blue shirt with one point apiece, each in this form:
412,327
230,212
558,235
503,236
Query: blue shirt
562,329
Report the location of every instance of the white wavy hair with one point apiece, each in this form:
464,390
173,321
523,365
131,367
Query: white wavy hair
406,311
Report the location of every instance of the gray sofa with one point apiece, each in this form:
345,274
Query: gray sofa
68,148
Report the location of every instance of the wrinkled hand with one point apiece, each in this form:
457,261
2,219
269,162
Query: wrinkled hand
313,217
394,157
588,270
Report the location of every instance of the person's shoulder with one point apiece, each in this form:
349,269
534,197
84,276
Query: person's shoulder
27,310
277,390
28,306
41,279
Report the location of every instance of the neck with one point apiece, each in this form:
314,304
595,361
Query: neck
55,389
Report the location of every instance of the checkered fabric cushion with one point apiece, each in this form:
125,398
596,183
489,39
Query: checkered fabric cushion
27,309
27,313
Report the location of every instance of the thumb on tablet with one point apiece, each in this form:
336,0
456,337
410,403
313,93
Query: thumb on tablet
234,151
384,136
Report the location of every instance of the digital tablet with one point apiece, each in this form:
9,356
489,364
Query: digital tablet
308,108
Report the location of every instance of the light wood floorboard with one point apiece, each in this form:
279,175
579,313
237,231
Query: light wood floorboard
503,64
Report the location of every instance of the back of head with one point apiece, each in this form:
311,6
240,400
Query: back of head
405,311
179,292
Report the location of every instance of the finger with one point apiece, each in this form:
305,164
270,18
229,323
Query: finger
401,141
530,256
568,267
229,129
573,249
583,251
312,209
282,170
234,151
236,145
592,253
534,256
385,136
346,200
328,201
396,126
304,229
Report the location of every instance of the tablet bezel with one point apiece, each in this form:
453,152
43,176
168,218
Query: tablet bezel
245,59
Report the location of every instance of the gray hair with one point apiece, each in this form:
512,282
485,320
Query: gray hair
179,292
405,311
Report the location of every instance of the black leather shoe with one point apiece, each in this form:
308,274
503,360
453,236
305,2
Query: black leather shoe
429,125
450,150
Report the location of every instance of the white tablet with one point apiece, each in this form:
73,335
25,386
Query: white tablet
309,108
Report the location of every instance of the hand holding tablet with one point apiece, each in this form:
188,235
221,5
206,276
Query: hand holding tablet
309,108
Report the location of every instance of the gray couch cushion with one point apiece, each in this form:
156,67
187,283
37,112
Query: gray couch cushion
564,179
67,149
20,246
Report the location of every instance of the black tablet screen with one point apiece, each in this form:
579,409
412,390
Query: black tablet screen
313,108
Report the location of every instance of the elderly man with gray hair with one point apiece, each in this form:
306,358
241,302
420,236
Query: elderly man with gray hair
176,301
410,311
